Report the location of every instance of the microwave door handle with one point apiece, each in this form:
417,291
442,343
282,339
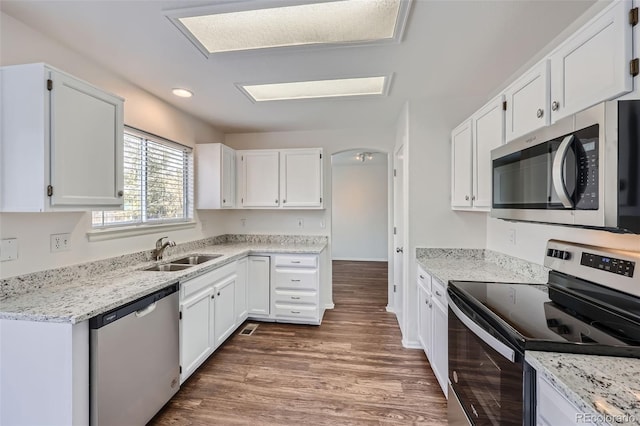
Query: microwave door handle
558,174
487,338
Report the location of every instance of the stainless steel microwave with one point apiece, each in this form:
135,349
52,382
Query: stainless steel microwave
583,170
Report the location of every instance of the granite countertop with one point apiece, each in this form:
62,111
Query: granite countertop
85,295
478,265
605,387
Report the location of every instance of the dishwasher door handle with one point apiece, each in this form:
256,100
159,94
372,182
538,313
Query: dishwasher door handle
147,310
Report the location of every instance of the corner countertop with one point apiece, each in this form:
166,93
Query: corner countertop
478,265
605,387
81,298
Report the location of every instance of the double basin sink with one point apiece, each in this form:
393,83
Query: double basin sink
183,263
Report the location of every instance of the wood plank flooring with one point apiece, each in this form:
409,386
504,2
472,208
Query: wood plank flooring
351,370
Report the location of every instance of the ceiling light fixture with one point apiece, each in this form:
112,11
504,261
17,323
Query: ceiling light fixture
345,87
262,24
362,156
183,93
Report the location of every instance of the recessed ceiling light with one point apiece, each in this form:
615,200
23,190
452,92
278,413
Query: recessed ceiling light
183,93
262,24
361,86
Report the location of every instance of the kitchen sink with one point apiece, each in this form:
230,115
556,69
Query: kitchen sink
195,259
168,267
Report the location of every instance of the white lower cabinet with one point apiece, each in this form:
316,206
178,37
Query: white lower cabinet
295,293
258,286
241,296
552,408
224,310
205,322
196,331
433,325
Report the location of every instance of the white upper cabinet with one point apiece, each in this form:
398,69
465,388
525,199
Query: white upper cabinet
288,178
527,102
215,176
593,65
62,142
488,133
260,178
301,177
461,160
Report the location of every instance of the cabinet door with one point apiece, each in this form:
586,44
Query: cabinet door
241,290
301,177
225,317
439,348
488,133
552,408
527,102
196,331
86,145
461,165
228,177
424,320
258,285
260,178
593,66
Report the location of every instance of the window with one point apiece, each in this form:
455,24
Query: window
158,183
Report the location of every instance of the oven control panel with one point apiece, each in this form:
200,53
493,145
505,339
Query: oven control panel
609,264
613,268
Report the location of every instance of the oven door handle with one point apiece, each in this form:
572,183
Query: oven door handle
495,344
558,172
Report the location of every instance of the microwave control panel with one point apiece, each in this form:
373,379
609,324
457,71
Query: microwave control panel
587,169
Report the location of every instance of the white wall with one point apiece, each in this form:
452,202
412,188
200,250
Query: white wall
531,238
359,214
22,44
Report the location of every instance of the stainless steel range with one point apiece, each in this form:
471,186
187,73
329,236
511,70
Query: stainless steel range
591,305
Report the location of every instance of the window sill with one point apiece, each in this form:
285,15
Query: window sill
132,231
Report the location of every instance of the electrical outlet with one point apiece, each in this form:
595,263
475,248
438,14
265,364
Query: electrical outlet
8,249
300,222
60,242
512,236
244,222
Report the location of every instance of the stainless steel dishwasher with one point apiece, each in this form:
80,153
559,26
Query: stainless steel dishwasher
135,359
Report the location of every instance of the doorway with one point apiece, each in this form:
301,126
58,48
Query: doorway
359,205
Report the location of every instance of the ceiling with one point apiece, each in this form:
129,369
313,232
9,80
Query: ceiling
450,48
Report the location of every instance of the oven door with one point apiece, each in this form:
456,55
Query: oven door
485,372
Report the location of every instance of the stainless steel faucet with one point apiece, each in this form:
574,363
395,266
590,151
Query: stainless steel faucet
159,251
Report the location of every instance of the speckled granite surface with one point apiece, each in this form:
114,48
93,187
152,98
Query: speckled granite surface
478,265
76,293
606,387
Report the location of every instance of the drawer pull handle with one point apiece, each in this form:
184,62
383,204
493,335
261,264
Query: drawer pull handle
295,281
422,277
295,312
295,297
295,261
438,293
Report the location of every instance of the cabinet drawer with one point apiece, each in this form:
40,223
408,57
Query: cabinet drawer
438,292
295,296
292,310
296,279
424,279
297,261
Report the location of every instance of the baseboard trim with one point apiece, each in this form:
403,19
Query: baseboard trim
360,259
411,344
390,309
329,306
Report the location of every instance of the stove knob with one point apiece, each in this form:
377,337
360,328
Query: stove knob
550,252
566,255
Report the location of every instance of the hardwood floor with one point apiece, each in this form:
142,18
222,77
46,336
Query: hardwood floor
351,370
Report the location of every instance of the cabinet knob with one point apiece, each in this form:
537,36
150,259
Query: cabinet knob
224,201
466,197
276,201
213,296
284,201
422,277
555,105
539,113
430,305
120,193
437,293
218,293
426,301
473,197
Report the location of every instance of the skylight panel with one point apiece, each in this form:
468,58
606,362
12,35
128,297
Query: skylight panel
362,86
325,23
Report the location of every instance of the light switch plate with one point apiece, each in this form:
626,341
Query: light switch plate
8,249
